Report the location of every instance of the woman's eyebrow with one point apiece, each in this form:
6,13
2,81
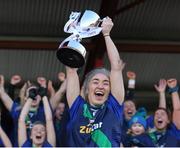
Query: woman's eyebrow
95,79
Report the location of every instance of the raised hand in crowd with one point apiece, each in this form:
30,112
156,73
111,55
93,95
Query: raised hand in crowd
43,90
7,101
173,90
15,79
172,83
42,81
161,89
130,91
51,89
1,83
131,75
54,100
22,92
61,76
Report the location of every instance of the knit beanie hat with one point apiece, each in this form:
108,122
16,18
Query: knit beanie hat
139,117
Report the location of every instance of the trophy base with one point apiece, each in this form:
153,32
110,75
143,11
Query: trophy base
70,57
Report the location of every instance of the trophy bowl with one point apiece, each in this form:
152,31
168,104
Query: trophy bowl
89,19
72,54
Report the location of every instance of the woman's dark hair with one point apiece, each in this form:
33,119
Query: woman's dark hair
167,112
36,123
39,122
131,100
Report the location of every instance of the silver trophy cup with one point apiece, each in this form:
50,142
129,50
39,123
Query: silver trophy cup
71,52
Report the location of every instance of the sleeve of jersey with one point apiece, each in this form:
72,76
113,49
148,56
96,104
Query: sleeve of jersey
15,111
78,103
174,131
115,106
1,143
150,121
27,143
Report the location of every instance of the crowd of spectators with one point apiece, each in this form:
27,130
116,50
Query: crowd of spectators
100,113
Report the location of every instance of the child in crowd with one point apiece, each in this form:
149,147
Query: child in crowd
136,134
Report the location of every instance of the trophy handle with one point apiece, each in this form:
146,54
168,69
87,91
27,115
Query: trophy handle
70,26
